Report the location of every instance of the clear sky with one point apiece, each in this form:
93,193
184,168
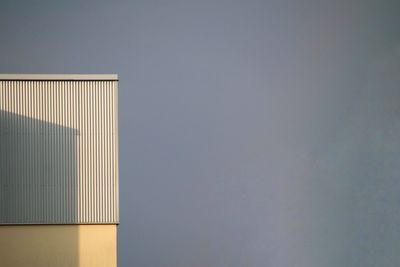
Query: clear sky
252,133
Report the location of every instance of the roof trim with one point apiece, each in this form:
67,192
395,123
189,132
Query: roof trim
59,77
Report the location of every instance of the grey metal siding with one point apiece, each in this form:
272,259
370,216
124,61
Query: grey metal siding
58,152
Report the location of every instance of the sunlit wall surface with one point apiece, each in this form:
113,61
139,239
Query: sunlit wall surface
58,245
58,170
58,153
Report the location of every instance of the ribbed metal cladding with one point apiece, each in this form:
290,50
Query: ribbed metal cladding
58,152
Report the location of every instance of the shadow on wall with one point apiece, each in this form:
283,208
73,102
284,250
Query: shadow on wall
38,185
38,174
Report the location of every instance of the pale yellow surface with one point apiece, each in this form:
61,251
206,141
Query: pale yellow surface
58,246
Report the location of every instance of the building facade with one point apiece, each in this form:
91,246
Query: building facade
58,170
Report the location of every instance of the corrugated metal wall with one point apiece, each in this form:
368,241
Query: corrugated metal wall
58,152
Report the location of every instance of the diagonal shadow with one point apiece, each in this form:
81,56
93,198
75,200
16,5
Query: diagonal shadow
38,185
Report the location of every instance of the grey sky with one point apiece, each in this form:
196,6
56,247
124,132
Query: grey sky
252,133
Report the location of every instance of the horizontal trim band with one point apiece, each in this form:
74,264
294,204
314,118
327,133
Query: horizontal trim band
59,77
92,223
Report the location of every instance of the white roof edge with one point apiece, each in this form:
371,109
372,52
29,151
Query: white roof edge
60,77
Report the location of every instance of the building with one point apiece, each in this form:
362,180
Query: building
58,170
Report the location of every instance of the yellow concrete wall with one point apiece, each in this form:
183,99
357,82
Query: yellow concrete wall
58,246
